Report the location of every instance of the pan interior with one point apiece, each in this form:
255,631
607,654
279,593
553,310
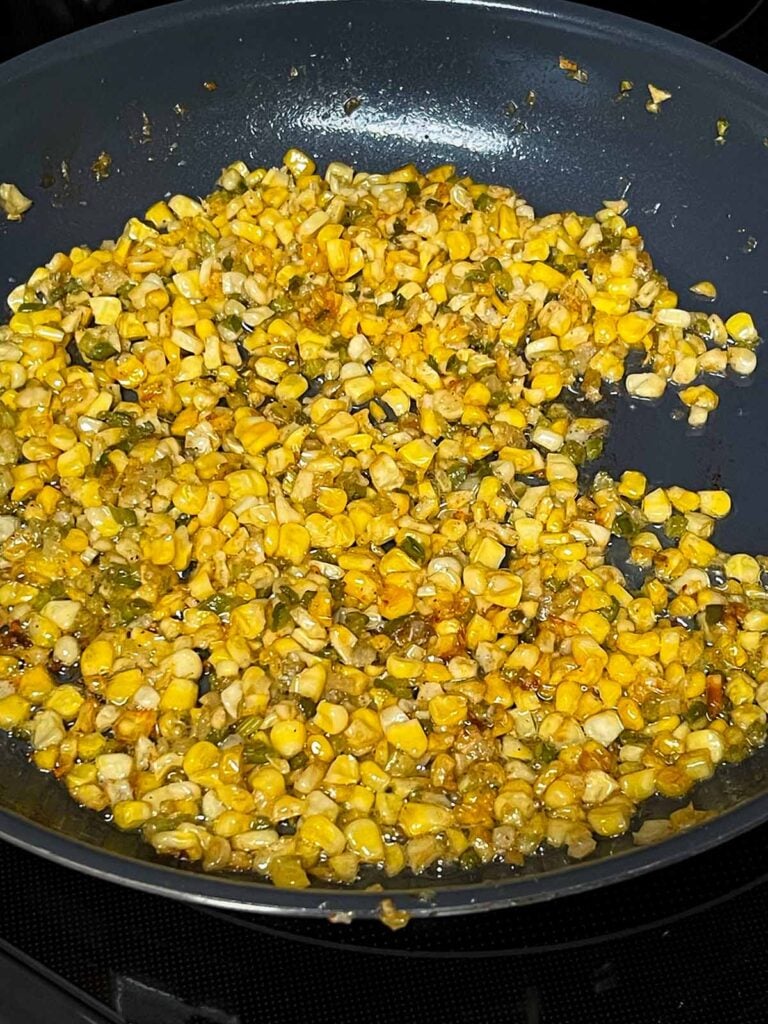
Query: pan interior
470,83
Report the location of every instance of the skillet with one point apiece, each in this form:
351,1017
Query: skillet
378,83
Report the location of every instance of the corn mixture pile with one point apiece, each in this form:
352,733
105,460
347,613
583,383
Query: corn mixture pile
300,572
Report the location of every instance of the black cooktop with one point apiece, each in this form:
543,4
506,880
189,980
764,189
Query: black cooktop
684,945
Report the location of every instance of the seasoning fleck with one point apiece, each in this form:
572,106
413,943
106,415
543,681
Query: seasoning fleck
530,99
210,86
293,72
351,104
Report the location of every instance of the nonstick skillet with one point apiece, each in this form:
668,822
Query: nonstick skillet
378,83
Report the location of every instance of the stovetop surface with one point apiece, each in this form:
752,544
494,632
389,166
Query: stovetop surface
684,945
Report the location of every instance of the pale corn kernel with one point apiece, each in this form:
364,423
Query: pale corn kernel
645,385
742,360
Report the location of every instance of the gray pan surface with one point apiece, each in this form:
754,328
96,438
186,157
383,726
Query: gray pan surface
434,81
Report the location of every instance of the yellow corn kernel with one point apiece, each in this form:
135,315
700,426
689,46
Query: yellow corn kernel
697,550
179,695
459,244
741,328
656,506
408,736
321,831
488,552
13,711
418,453
74,462
97,659
744,568
638,644
66,700
288,737
331,718
286,872
363,838
418,819
130,814
715,503
448,711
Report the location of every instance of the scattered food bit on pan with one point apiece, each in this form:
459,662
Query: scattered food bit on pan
210,86
146,128
297,492
530,98
179,109
13,202
722,130
393,918
572,70
705,289
102,166
351,104
654,830
658,96
293,72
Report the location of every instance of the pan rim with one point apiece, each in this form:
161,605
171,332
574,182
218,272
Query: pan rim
249,895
